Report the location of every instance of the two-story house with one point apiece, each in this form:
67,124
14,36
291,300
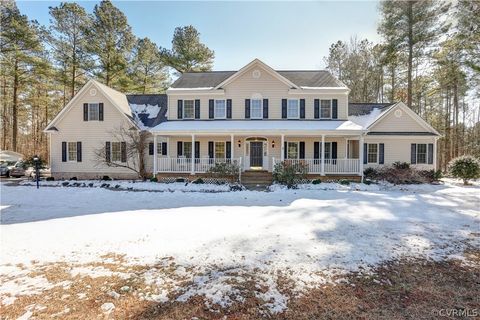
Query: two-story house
255,117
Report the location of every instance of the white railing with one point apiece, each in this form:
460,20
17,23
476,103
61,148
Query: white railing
332,166
184,165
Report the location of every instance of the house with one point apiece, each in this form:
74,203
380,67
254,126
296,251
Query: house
255,117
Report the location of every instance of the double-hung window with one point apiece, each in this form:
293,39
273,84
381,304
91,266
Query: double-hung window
220,109
187,149
159,148
293,107
116,153
72,151
256,109
325,109
421,153
328,150
292,150
372,153
220,150
93,112
188,109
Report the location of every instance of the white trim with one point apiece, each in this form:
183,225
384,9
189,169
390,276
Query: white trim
261,108
98,111
155,154
183,109
215,108
378,153
331,109
298,108
68,151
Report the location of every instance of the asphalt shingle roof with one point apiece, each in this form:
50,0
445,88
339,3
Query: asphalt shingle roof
153,100
360,109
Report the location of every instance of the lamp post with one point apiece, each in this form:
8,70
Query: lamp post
37,169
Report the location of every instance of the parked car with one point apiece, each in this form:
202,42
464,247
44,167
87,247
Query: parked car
44,172
18,170
5,169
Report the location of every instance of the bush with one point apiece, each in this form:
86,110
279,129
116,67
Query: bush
106,178
401,173
288,174
316,181
225,169
344,182
50,179
367,182
401,165
431,175
153,179
198,181
181,180
370,173
73,178
465,168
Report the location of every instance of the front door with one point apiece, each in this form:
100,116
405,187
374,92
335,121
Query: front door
256,154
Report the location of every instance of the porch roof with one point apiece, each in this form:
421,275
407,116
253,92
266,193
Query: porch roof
258,126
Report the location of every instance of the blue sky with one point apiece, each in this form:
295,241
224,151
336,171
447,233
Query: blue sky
285,35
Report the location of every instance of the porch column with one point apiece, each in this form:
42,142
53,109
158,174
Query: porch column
323,155
282,147
155,158
232,148
435,153
193,155
360,153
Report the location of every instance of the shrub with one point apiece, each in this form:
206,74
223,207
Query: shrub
344,182
465,168
198,181
153,179
225,169
181,180
370,173
236,187
316,181
106,178
50,179
73,178
367,182
288,174
431,175
401,165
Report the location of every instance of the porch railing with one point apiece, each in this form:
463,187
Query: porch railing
184,165
332,166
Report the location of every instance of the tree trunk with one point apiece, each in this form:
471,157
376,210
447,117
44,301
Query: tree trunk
15,106
410,52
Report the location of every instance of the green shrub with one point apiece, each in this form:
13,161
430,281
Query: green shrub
153,179
50,179
344,182
401,165
367,182
465,168
225,169
181,180
198,181
316,181
370,173
288,174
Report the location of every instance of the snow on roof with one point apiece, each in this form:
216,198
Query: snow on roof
367,119
151,111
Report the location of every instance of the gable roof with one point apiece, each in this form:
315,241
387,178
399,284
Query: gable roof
312,78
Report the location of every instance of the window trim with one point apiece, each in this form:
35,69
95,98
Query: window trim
331,108
298,150
251,108
119,151
215,108
426,153
98,111
68,151
193,109
298,108
368,152
184,143
215,149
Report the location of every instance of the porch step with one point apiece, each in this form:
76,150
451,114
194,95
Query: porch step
256,180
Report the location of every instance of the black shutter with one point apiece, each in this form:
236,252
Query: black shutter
64,152
365,155
150,149
228,150
210,149
302,150
197,109
79,151
285,144
284,108
247,108
316,108
85,112
211,110
180,109
334,109
316,150
100,111
164,148
302,108
413,153
265,108
197,149
123,151
229,108
430,153
179,148
381,153
107,151
334,150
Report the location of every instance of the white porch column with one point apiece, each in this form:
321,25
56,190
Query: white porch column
193,155
435,153
360,153
282,148
232,147
323,155
155,156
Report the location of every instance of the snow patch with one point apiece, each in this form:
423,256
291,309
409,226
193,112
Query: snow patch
150,110
366,120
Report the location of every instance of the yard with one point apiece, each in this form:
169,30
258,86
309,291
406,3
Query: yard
348,251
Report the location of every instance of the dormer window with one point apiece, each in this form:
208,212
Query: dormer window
293,107
325,109
188,109
256,109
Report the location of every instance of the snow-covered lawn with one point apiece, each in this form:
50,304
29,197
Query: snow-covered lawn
214,238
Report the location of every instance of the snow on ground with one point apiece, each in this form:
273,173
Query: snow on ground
216,237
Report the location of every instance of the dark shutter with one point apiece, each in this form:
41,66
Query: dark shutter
123,151
85,112
107,151
197,109
197,149
150,149
179,148
316,150
334,150
180,109
365,155
302,150
285,144
413,153
79,151
334,109
100,111
430,153
381,153
247,108
265,108
228,150
302,108
64,152
229,108
210,149
284,108
211,110
316,108
164,148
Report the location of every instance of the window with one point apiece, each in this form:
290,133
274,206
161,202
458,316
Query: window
292,150
353,149
220,109
159,148
256,109
372,153
93,112
325,109
72,151
328,150
116,153
187,149
421,153
293,109
188,109
220,150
